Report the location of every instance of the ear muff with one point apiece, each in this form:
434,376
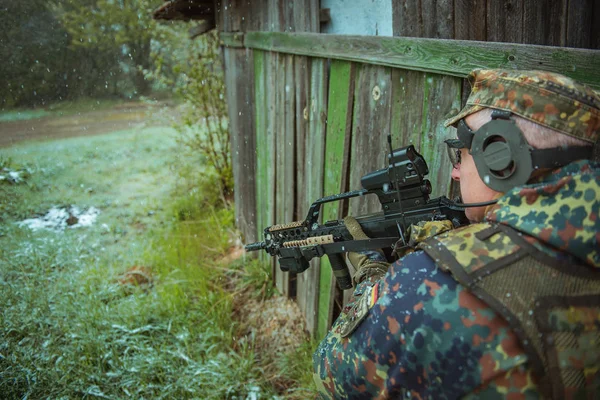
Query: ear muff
502,155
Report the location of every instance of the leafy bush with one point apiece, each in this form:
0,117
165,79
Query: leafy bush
195,72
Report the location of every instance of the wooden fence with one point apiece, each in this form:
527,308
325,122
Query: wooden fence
321,107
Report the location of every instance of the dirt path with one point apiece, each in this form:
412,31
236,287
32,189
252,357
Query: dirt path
122,116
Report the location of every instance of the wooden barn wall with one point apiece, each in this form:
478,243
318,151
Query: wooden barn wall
308,126
564,23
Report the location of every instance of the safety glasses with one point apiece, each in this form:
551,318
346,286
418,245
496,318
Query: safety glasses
453,146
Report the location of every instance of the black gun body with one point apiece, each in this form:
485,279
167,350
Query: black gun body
404,197
383,227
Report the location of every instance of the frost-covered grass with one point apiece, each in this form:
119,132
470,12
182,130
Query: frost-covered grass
22,115
58,109
72,326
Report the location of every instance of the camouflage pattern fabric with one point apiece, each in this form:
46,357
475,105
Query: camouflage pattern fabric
420,232
549,99
417,333
562,211
424,337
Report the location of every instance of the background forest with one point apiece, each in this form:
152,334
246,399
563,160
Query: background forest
57,51
65,50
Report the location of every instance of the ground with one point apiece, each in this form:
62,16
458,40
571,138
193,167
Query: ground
135,280
49,126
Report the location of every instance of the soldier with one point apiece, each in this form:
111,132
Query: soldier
509,306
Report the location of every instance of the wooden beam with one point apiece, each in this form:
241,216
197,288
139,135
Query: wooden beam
324,15
446,57
232,39
201,27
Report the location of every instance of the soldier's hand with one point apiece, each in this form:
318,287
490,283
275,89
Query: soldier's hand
418,233
367,263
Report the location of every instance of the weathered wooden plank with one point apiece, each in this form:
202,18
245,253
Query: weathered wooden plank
315,163
275,20
469,20
288,134
281,278
438,18
407,18
544,22
339,114
595,35
232,39
262,140
579,23
233,15
306,16
240,94
407,117
271,62
447,57
441,94
505,21
302,89
420,105
370,126
423,18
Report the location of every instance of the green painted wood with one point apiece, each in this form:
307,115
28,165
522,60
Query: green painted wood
315,167
447,57
339,114
262,157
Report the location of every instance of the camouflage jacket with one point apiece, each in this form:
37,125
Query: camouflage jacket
417,333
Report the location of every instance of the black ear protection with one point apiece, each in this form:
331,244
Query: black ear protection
503,157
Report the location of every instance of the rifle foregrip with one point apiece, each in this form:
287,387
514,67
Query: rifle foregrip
340,271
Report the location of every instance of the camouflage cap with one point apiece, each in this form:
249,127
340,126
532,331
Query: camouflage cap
546,98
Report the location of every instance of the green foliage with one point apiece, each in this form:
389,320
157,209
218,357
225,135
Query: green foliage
30,70
70,328
117,29
58,50
254,278
194,71
297,367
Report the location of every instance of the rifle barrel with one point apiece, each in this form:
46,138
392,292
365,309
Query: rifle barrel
255,246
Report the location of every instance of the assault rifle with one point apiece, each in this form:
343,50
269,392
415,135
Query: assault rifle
404,196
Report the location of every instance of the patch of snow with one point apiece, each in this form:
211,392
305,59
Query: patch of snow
15,176
253,393
12,176
59,219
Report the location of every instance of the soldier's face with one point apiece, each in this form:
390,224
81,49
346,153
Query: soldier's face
472,188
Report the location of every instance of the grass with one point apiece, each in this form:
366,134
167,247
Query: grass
59,109
73,326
